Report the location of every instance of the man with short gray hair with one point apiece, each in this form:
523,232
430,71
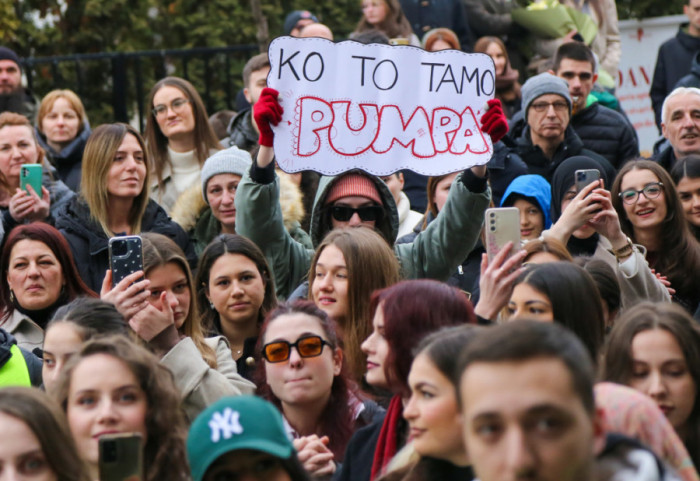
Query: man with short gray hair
680,125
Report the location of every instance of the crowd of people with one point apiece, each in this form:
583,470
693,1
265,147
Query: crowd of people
353,327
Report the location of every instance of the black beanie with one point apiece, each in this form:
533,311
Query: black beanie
9,54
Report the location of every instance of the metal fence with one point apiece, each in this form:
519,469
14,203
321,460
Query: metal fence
122,80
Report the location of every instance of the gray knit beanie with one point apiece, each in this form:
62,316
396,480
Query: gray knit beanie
543,84
228,161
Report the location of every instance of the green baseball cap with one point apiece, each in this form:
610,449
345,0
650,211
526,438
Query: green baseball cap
233,423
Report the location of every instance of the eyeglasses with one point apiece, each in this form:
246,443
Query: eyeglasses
309,346
559,106
650,191
177,105
344,213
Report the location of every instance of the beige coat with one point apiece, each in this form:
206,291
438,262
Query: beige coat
27,332
199,384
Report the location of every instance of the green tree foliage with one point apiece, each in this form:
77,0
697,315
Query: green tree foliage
648,8
44,28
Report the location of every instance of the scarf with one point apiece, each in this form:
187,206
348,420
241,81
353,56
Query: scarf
387,444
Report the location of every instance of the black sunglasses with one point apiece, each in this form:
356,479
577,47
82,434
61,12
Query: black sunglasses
309,346
344,213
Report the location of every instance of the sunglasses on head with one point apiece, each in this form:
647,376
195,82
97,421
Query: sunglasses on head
344,213
279,351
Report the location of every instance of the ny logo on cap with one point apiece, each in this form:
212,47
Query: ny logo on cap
225,424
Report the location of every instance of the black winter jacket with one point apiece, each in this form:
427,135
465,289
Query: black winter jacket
241,131
672,63
607,133
665,158
601,129
90,244
537,163
693,78
425,16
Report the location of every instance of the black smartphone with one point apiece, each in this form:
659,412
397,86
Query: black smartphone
125,256
121,457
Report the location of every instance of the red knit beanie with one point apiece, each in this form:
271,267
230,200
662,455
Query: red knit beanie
354,185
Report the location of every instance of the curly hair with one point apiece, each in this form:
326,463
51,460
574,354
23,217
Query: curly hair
165,455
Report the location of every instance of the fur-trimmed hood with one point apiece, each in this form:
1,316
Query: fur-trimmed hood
190,205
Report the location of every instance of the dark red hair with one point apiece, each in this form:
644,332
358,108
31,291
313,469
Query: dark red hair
54,240
412,310
337,420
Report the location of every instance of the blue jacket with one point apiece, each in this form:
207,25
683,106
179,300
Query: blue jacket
533,187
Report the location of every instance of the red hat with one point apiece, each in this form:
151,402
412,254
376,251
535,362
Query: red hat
354,185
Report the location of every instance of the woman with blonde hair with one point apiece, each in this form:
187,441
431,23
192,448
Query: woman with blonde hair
113,201
19,145
114,368
62,129
36,440
179,139
348,266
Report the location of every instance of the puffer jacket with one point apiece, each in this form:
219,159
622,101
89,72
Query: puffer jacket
435,253
69,161
601,129
193,214
538,164
89,242
607,133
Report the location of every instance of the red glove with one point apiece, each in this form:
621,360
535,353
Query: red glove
494,121
267,110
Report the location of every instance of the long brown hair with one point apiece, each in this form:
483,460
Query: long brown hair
679,256
617,365
159,250
395,24
164,452
44,418
231,244
371,265
204,137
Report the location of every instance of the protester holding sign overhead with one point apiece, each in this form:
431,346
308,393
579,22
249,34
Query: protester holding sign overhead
358,198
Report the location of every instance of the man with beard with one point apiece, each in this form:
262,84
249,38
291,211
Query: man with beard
13,97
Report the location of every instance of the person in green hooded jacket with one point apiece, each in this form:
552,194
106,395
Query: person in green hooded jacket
357,198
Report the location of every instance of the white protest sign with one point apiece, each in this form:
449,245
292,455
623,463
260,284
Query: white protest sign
378,108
